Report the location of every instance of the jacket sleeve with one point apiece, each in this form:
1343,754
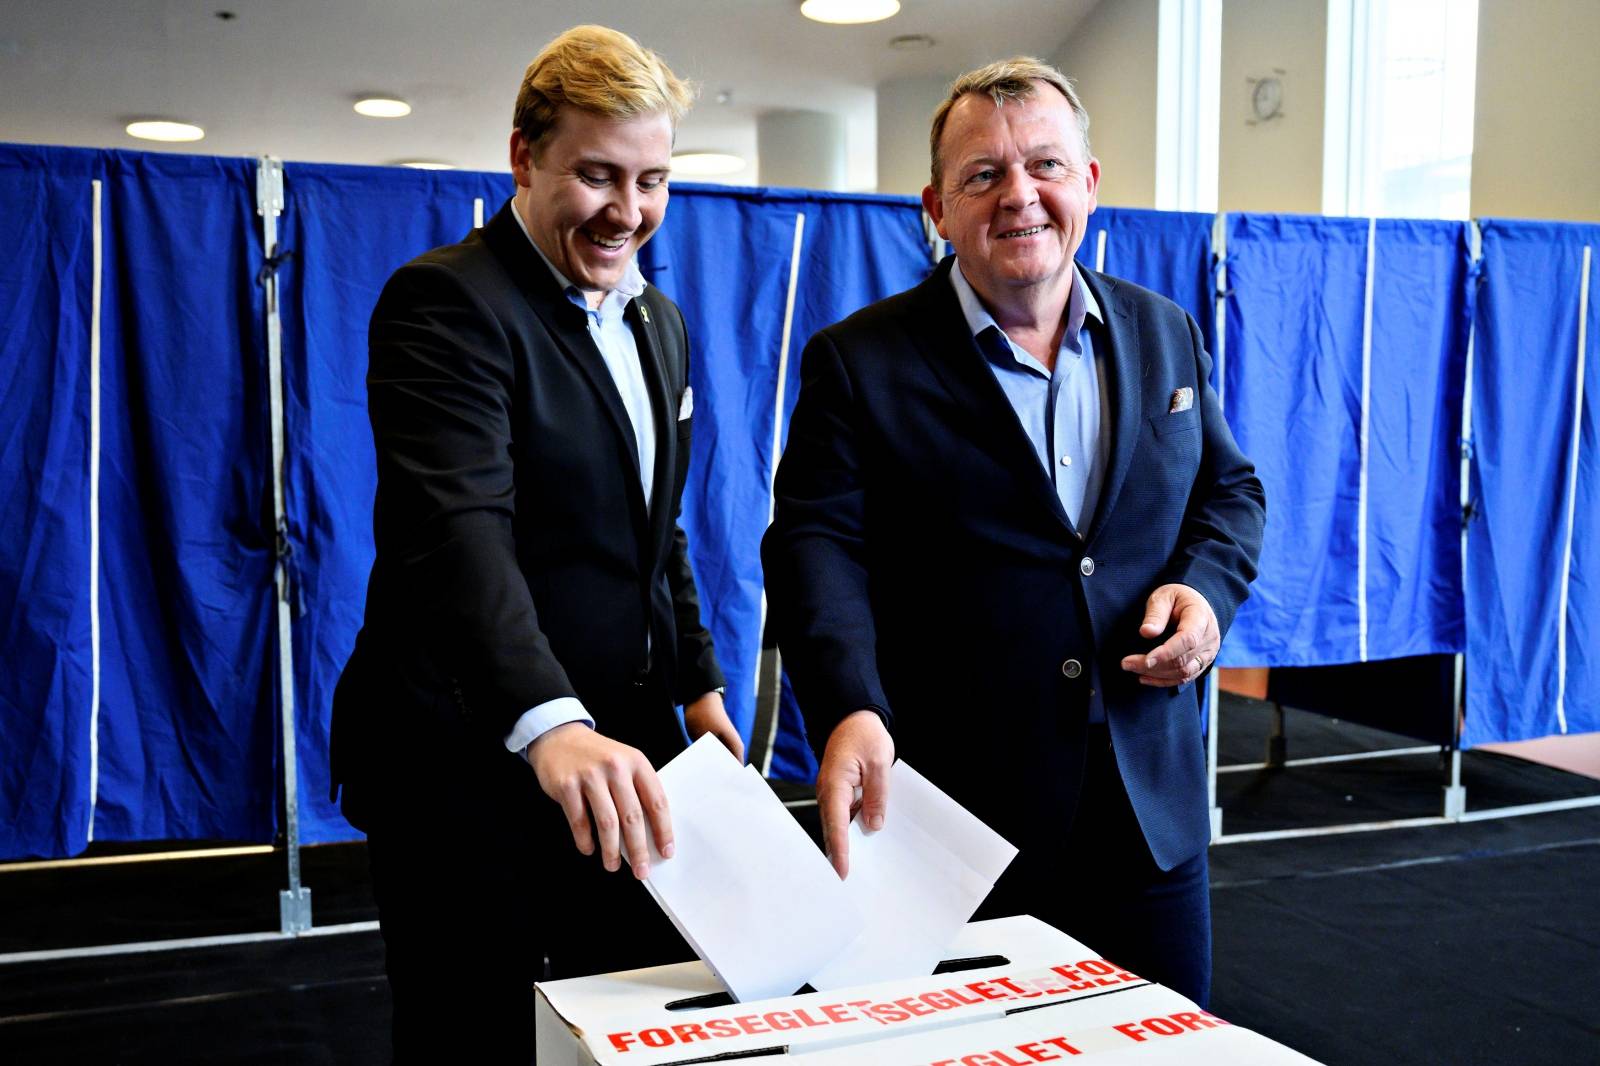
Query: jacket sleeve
439,394
1219,542
814,552
697,669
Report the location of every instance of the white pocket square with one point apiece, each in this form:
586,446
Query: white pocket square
1182,400
686,404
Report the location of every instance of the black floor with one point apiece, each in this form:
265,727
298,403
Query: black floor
1456,944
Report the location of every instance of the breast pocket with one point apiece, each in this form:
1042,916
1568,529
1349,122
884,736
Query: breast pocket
1170,425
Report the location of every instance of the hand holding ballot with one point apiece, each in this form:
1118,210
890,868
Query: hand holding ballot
859,754
757,902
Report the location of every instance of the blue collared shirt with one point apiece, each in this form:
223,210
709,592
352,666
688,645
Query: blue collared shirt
1060,409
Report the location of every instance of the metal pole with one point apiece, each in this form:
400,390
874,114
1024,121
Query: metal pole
1455,793
1219,244
294,903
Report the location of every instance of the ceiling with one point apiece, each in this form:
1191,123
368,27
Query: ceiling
280,76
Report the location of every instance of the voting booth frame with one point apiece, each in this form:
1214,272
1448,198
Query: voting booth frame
195,328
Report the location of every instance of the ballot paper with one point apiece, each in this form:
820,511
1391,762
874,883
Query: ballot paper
916,881
745,886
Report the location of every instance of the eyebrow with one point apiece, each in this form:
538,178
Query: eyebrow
1031,152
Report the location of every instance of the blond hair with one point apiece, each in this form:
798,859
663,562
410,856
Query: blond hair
1009,79
599,70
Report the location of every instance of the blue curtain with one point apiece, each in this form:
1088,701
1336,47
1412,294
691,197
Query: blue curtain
1168,252
1524,391
46,685
188,738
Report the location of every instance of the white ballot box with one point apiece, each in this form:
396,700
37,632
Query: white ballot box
1021,985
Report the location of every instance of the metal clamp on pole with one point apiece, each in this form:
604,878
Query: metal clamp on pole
294,902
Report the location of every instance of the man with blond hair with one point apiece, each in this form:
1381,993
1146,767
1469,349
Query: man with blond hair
1011,529
531,617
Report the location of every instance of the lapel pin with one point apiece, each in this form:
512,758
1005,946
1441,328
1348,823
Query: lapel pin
644,312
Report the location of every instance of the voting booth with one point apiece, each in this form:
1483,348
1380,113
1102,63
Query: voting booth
1012,991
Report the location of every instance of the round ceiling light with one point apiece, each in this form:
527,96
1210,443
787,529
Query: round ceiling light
160,129
382,107
702,164
849,12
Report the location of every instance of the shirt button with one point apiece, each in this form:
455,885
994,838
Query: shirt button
1072,668
1086,566
1066,460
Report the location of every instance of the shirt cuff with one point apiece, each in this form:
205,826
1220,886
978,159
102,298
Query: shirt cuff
538,721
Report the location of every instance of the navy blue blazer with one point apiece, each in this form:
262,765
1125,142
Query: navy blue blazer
920,562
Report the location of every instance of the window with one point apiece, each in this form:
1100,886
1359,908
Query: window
1401,77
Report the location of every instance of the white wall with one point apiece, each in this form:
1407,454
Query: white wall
1274,165
1111,56
905,111
1536,128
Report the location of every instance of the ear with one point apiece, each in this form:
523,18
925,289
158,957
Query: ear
1094,183
521,159
932,204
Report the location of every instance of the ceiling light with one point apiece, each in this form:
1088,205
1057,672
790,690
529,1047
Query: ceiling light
424,164
849,11
164,130
382,107
700,164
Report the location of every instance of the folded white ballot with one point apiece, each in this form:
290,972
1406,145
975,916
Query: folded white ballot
916,881
764,909
745,886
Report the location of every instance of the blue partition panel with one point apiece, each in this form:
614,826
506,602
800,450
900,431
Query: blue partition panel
188,717
46,683
1421,320
346,229
1531,610
1293,393
1168,252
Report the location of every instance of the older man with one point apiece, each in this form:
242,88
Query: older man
531,618
1012,527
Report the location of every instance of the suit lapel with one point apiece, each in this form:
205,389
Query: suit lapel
1123,364
953,353
566,323
653,361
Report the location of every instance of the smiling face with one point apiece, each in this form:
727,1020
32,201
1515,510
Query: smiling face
1015,194
594,192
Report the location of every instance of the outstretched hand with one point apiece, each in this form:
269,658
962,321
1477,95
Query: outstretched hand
1191,648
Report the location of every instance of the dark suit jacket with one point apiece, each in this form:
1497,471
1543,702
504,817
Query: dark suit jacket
921,563
516,559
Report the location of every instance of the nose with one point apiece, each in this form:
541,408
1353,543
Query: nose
624,209
1016,189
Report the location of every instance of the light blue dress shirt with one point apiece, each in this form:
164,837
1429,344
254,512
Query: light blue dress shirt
1060,409
620,350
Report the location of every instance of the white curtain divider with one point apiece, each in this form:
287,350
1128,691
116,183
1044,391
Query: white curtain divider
1366,416
1572,494
96,193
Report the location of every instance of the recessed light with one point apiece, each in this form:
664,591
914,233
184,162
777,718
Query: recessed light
164,130
911,42
700,164
849,12
382,107
424,164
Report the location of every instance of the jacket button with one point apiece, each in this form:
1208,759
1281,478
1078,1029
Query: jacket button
1072,668
1086,566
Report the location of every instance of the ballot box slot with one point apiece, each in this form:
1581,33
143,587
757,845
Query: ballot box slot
1075,999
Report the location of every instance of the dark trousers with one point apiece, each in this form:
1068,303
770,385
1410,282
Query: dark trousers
481,892
1104,888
